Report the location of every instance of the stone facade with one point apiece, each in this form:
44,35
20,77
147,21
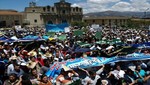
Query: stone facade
107,21
59,13
9,18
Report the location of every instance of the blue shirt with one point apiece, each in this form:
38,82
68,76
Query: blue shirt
141,72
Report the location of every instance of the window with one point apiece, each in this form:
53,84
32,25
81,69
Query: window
44,9
48,8
52,9
77,9
33,10
63,11
80,10
93,21
35,21
73,9
103,22
109,22
16,22
116,22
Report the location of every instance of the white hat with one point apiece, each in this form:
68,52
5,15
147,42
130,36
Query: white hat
110,47
23,64
14,57
5,43
56,59
105,82
132,68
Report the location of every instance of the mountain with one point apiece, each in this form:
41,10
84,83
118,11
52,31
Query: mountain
121,14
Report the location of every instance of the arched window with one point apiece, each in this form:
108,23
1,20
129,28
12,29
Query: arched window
63,12
64,21
49,22
48,8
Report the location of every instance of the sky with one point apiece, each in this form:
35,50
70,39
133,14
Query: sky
87,5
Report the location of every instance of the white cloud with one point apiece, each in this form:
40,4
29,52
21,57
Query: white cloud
114,5
75,5
140,5
123,6
102,1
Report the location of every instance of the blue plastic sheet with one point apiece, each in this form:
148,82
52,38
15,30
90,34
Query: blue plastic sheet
56,27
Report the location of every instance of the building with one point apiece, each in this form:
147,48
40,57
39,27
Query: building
9,18
61,12
107,20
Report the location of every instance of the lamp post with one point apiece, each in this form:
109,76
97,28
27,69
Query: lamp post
145,14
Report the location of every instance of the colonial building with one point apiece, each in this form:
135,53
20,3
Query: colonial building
59,13
9,18
109,21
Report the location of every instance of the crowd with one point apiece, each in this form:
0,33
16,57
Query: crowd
23,63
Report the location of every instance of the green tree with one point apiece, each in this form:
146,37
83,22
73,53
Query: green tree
78,23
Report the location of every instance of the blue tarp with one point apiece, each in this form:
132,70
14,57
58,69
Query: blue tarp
3,38
31,38
56,27
46,37
82,50
140,45
88,62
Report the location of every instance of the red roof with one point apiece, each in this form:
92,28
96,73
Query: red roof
9,13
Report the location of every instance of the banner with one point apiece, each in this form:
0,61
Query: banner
62,37
67,29
141,45
78,33
56,27
88,62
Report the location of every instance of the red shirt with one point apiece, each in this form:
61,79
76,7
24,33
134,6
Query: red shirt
40,61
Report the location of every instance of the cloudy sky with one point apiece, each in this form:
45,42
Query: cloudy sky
87,5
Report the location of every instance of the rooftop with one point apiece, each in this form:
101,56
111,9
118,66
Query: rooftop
9,12
106,17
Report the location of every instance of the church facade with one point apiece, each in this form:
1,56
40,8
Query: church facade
9,18
61,12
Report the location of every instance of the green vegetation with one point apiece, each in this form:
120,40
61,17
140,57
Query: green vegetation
78,23
137,23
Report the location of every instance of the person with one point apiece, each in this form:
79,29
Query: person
33,64
34,77
40,60
12,80
140,73
130,77
116,76
17,70
25,79
118,73
65,77
91,78
147,80
44,80
103,82
10,67
46,66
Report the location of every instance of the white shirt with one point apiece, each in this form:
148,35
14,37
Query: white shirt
118,74
92,82
10,68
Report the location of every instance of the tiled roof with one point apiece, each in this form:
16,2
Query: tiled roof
2,12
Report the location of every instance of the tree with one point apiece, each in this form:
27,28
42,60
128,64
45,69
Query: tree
79,24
